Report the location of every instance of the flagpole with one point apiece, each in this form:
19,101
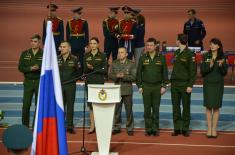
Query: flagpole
50,9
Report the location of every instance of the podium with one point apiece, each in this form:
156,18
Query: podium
104,98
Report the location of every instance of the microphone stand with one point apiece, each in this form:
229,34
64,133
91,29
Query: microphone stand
83,148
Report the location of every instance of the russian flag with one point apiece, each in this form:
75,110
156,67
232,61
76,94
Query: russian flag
49,137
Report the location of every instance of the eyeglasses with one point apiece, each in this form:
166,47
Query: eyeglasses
126,12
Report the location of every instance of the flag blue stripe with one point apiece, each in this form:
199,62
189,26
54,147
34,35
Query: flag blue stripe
47,102
61,131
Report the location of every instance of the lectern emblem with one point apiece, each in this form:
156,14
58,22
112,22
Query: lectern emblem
102,95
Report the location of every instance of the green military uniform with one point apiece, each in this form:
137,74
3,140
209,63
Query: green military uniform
69,69
183,76
213,84
98,61
152,74
31,80
129,70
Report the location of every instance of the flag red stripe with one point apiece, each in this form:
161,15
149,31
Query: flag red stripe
47,140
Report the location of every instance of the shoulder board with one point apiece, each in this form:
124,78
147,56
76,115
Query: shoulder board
87,53
145,55
73,56
115,61
133,20
106,19
205,54
70,20
129,61
121,20
26,51
58,18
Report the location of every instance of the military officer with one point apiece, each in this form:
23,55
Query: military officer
128,32
152,78
77,34
182,80
30,65
123,72
195,29
213,69
57,26
111,34
70,68
94,61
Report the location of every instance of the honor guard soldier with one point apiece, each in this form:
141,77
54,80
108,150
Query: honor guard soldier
195,30
30,65
127,30
111,34
123,72
57,26
152,78
182,81
77,34
69,68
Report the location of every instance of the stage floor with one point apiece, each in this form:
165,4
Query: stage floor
11,103
165,144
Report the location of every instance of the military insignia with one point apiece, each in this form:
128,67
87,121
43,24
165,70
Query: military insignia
27,57
226,60
102,95
79,65
193,58
89,59
184,60
158,63
208,60
71,63
127,71
99,59
146,62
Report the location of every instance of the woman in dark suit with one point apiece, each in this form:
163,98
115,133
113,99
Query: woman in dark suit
213,69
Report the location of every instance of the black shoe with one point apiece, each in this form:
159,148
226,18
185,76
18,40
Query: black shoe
176,133
71,131
214,136
147,134
208,136
155,133
116,132
91,131
130,133
185,133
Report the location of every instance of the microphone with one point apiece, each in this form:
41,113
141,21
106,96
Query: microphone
82,76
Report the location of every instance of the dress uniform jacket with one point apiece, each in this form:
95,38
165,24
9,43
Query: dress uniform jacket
57,29
31,80
127,28
110,31
69,70
77,34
